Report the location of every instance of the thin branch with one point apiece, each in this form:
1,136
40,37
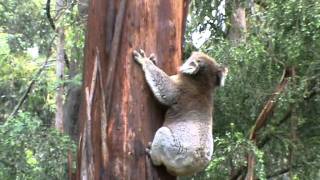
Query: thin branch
49,15
32,82
278,173
26,93
7,9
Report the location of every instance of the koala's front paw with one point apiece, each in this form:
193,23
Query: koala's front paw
139,56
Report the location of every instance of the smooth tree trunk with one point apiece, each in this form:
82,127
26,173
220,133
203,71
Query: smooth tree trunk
236,35
60,70
238,26
118,113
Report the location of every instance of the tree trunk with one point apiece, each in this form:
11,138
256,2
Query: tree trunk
60,71
118,113
238,25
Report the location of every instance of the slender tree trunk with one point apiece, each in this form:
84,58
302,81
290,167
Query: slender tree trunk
293,134
60,71
118,113
236,13
238,27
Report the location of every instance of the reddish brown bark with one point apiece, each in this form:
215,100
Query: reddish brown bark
119,115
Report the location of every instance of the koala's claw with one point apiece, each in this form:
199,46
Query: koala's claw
148,151
153,58
142,53
136,54
139,56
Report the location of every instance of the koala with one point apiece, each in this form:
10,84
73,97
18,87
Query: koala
184,144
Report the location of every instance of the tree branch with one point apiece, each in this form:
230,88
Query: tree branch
32,82
49,15
264,116
269,106
278,173
26,93
6,7
286,116
265,140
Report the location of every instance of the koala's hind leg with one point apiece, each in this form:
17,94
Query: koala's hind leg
163,147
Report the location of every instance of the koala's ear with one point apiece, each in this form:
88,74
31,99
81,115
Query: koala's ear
221,76
190,67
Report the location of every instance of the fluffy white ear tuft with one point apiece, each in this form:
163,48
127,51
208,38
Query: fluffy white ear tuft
190,67
222,76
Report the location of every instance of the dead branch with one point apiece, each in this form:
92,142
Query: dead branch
286,116
264,116
27,91
269,106
32,82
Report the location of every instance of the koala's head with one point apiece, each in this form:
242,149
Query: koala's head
200,65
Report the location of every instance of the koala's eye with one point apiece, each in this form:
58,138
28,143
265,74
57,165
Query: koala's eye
198,60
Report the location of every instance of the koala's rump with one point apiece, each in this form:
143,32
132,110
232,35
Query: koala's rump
194,144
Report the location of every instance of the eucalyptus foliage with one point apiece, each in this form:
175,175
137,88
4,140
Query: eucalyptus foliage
25,23
28,150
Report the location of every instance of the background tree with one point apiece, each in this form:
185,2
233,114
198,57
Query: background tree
60,64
